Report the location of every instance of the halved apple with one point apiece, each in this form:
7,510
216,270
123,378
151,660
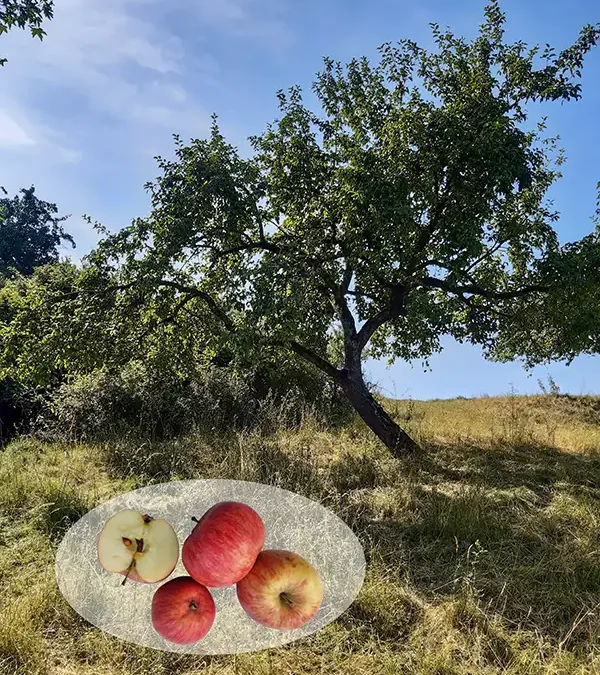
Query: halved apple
140,547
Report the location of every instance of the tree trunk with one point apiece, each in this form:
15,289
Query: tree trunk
375,417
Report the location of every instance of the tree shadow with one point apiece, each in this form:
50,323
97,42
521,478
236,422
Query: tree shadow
536,467
514,528
517,528
61,509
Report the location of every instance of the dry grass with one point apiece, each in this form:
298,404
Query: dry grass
483,556
565,422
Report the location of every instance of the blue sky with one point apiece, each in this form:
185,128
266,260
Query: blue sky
83,113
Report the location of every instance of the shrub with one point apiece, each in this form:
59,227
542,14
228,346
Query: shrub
138,402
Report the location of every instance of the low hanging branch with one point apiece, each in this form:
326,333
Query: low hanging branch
226,321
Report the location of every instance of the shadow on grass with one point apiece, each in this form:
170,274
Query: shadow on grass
62,508
538,468
384,610
515,528
537,570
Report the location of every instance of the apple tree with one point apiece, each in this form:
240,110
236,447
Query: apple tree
412,205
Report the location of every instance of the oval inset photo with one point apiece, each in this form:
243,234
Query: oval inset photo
111,563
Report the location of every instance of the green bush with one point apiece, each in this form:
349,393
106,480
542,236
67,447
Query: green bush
137,402
92,368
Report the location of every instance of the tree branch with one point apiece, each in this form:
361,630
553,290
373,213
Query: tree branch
95,291
346,279
427,232
315,359
478,290
346,318
359,294
308,355
269,246
259,218
487,254
250,246
396,308
210,301
296,347
380,280
169,319
444,266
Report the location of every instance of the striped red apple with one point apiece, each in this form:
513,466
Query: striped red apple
224,544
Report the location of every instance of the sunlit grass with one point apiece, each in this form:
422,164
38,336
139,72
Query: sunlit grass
483,555
564,422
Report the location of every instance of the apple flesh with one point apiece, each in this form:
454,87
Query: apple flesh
183,611
138,546
223,545
282,590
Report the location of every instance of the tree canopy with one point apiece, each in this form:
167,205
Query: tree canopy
25,14
413,205
30,232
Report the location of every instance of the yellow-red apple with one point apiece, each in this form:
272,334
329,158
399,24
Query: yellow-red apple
282,590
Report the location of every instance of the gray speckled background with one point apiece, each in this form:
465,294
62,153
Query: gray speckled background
292,522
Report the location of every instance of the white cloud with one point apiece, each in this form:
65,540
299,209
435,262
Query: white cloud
70,156
120,57
111,55
101,95
12,134
86,34
254,19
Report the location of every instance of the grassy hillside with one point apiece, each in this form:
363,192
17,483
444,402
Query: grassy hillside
483,555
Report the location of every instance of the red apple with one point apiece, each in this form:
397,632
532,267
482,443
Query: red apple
282,590
223,546
183,611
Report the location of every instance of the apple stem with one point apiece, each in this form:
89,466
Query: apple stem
131,564
195,519
285,598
